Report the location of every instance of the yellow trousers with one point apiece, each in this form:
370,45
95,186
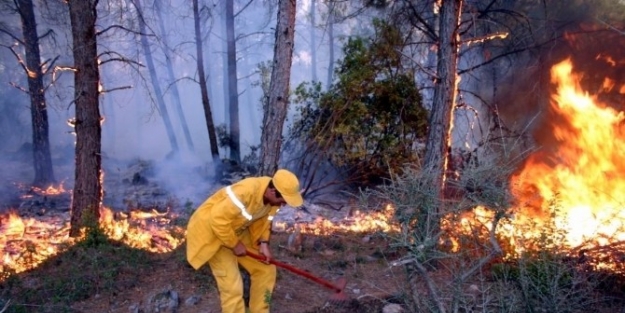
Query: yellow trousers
225,268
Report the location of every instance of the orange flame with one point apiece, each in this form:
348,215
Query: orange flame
584,173
357,222
143,230
27,242
51,190
572,185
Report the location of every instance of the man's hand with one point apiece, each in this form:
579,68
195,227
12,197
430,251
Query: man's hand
239,249
264,250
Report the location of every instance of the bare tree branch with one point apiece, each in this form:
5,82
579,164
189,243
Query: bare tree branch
114,89
611,27
50,31
122,28
243,8
51,61
17,56
6,306
12,36
18,87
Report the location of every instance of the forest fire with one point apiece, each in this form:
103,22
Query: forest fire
584,175
27,242
581,181
49,191
357,222
572,186
571,191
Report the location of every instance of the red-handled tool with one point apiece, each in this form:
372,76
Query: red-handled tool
338,286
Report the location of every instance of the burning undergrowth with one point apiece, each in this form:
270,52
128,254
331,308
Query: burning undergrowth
565,196
574,184
564,199
29,241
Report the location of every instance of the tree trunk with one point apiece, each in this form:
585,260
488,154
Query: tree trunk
277,105
445,89
158,94
313,41
330,45
224,77
172,78
233,93
208,115
87,195
42,160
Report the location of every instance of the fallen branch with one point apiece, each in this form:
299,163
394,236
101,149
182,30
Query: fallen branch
6,306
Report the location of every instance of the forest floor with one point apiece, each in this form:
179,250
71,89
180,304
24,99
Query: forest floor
103,275
371,282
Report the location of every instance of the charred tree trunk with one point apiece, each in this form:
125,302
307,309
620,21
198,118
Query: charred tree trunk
208,114
170,72
42,160
277,104
233,93
158,94
445,89
87,195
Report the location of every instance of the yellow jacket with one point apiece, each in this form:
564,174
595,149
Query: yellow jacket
222,218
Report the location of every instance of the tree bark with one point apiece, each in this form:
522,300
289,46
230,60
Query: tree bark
277,104
42,160
330,45
208,115
172,78
233,93
158,94
313,41
445,89
87,196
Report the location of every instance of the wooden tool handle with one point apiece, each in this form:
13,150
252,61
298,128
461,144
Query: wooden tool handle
296,271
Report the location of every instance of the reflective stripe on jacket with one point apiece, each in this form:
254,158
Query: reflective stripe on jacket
225,215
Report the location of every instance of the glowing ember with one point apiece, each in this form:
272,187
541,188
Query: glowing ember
51,190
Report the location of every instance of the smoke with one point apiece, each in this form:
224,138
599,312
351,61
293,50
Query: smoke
598,55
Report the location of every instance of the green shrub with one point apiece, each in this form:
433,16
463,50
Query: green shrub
371,120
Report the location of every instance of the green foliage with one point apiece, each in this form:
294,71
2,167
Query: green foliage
94,234
94,237
371,119
75,275
264,73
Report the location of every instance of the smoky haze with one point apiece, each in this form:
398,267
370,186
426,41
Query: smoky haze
132,129
597,56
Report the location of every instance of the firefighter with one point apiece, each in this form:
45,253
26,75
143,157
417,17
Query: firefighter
231,221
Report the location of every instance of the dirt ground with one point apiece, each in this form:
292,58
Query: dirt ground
361,259
371,282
